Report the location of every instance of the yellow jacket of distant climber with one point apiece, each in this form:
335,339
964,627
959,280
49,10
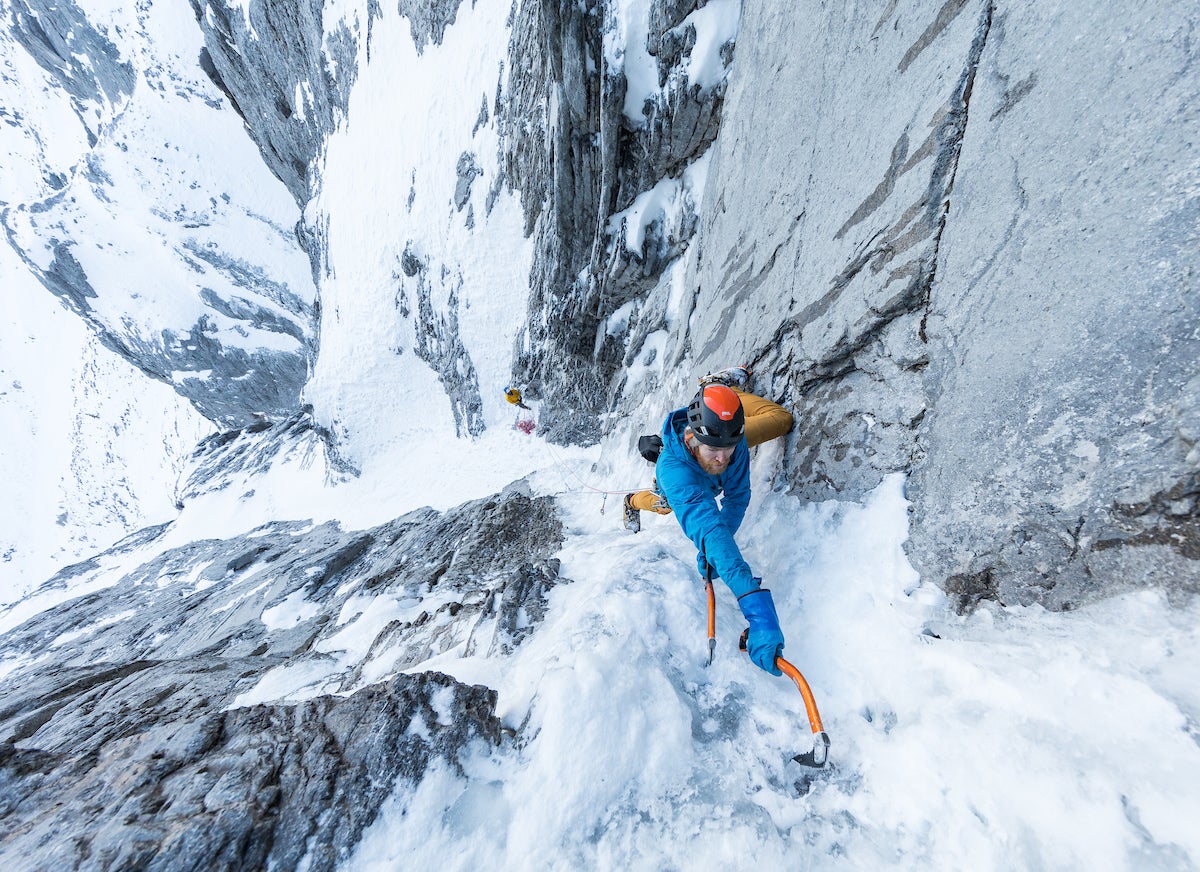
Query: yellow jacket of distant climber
514,396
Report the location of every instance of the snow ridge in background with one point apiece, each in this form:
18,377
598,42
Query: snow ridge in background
161,225
92,449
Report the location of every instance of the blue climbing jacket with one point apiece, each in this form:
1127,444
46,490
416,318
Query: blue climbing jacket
692,494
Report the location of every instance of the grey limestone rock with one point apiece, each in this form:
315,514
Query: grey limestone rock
230,384
438,338
954,250
428,19
198,713
468,171
1058,451
232,458
154,774
574,172
263,54
84,62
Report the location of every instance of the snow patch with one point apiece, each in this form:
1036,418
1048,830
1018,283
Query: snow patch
292,612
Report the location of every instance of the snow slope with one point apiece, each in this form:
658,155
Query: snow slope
1010,739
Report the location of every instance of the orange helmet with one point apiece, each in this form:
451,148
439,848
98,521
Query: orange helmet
716,416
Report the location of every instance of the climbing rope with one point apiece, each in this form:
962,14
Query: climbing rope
563,464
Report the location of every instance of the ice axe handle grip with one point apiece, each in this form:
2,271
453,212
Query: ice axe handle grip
810,704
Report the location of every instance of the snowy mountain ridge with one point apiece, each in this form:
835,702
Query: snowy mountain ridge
368,622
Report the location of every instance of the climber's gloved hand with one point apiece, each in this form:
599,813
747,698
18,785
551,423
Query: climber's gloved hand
703,565
764,641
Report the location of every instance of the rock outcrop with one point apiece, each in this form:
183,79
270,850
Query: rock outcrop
439,341
251,702
286,73
153,773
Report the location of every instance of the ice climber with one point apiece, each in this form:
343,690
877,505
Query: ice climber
706,453
514,397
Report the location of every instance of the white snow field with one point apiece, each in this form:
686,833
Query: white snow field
1014,738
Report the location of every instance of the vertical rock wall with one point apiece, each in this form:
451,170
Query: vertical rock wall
959,240
579,161
1059,458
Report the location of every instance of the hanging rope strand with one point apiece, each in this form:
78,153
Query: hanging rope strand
562,463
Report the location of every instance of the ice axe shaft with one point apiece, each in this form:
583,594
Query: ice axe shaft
819,754
712,611
820,749
810,704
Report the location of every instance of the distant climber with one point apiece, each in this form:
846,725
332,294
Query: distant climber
706,452
514,396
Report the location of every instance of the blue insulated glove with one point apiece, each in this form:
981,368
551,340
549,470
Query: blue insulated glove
765,639
703,564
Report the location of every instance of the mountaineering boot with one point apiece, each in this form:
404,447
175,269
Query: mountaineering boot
633,518
732,377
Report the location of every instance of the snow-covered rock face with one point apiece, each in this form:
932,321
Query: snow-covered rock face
285,73
957,238
904,211
132,193
955,253
607,107
243,702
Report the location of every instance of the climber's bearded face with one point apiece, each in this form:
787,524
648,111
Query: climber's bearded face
714,461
